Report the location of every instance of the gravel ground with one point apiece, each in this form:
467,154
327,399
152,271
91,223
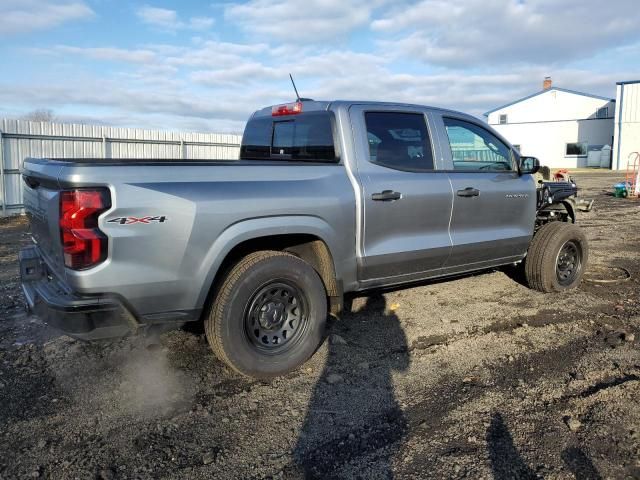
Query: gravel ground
478,377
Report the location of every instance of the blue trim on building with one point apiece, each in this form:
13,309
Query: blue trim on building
627,82
566,90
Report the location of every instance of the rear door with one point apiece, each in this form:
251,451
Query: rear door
406,202
493,206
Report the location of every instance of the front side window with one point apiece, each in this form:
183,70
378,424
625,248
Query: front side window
305,137
578,148
399,140
474,148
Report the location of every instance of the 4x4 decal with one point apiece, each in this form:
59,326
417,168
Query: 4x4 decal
131,220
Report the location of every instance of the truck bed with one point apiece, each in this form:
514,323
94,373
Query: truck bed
207,205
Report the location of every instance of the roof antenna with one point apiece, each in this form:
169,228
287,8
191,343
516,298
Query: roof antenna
294,87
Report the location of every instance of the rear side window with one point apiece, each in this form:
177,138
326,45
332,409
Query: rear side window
303,137
399,140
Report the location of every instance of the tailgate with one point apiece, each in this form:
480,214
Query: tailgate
42,204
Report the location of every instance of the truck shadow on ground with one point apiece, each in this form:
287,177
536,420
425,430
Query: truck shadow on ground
508,464
353,411
353,418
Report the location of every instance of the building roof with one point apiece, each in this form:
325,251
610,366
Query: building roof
486,114
627,82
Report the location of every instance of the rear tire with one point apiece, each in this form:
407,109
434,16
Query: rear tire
557,257
269,315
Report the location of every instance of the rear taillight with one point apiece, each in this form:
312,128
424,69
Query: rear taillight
83,243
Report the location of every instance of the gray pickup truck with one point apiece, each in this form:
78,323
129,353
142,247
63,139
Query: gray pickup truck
327,198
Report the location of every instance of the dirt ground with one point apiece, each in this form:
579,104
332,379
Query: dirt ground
477,377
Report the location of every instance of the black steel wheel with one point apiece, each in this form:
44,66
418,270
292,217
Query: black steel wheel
557,257
268,315
568,262
276,316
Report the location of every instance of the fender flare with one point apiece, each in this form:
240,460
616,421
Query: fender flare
569,204
254,228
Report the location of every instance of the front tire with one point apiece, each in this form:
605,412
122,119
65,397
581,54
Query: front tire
557,257
269,315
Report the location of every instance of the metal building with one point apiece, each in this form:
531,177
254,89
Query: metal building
20,139
627,123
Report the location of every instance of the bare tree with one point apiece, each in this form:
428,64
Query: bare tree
40,115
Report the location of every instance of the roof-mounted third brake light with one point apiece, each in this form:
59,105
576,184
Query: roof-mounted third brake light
286,109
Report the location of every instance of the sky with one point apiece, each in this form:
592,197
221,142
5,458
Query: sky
205,66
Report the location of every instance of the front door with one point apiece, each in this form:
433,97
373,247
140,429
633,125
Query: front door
494,207
406,203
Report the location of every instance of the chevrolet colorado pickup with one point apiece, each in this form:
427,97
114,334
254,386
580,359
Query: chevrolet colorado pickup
327,198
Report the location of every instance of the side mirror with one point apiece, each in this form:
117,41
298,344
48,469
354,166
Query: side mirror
529,165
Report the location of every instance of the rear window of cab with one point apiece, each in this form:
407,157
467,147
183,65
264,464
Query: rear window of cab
306,137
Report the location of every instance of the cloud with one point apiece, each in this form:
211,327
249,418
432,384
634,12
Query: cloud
159,17
22,16
293,21
168,20
189,88
201,23
118,104
325,66
241,73
481,33
469,56
109,53
205,54
212,53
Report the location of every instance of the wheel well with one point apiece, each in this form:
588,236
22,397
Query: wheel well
562,211
309,248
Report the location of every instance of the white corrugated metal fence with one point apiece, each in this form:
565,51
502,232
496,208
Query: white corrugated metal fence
20,139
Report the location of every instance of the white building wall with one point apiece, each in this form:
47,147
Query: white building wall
543,124
547,140
627,123
552,105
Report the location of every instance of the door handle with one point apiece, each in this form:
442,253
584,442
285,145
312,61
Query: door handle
469,192
386,196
